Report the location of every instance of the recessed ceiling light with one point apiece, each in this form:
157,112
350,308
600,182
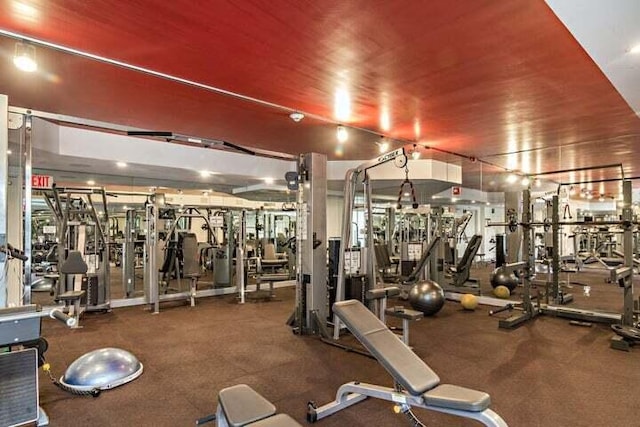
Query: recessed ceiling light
121,164
635,49
406,194
268,180
526,181
473,201
25,57
296,116
91,182
204,174
9,152
511,178
488,203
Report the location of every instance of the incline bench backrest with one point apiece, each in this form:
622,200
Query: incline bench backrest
423,260
470,252
404,365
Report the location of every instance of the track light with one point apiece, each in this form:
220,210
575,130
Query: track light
415,154
296,116
342,134
25,57
511,178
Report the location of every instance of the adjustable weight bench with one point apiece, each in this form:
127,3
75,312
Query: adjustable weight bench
240,406
416,384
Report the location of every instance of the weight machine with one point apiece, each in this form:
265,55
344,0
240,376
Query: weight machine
81,228
171,226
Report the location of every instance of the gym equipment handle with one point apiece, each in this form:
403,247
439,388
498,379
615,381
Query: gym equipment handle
13,252
59,315
501,309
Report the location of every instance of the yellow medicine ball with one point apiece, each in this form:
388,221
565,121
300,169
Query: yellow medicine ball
502,292
469,301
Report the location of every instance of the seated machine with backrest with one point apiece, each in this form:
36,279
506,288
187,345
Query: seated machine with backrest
271,268
416,384
240,405
459,274
72,266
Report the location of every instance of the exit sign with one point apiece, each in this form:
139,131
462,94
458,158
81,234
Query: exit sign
41,181
456,191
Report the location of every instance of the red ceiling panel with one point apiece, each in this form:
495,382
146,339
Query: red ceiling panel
480,77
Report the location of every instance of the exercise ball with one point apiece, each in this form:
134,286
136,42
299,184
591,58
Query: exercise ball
427,297
469,301
102,369
500,277
502,292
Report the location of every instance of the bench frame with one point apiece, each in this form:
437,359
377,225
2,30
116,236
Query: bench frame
355,392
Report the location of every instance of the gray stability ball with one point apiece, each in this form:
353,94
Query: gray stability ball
426,296
502,277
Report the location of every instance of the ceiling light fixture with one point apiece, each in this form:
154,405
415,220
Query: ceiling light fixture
538,183
525,181
342,134
296,116
9,152
25,57
511,178
121,164
268,180
415,154
91,182
601,199
342,105
635,49
205,174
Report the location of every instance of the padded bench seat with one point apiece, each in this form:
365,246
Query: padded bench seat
411,372
280,420
455,397
243,405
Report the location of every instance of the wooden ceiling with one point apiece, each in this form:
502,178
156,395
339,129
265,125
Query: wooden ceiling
503,81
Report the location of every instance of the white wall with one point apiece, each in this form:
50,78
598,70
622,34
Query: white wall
334,216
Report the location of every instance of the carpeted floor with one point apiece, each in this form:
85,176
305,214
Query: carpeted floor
546,373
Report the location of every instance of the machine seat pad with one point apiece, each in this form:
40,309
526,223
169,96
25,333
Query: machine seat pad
243,405
389,291
277,261
404,313
71,295
454,397
280,420
273,277
397,358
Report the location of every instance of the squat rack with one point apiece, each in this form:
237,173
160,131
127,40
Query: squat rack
623,275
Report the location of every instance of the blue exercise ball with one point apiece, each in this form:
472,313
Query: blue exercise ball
426,296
